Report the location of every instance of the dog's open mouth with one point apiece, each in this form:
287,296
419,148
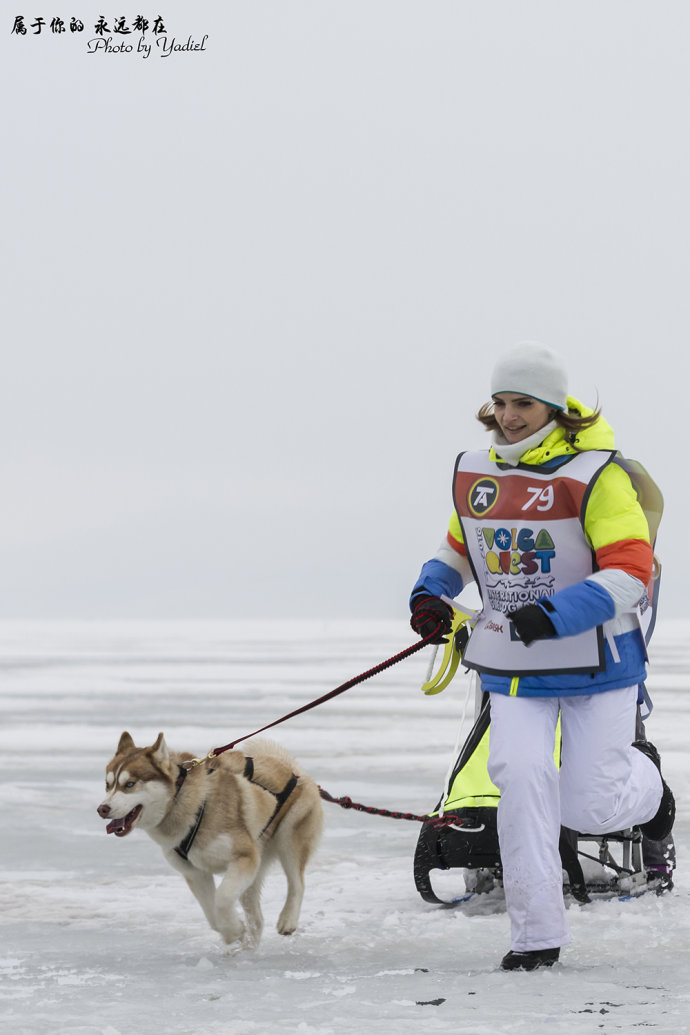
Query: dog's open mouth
120,827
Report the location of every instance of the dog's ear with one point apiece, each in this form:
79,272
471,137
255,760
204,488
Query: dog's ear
126,744
159,750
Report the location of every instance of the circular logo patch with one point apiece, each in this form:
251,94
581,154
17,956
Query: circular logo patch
482,496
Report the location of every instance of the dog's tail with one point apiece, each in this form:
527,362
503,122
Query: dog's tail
268,748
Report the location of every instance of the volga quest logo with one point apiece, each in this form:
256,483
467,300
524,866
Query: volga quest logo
517,551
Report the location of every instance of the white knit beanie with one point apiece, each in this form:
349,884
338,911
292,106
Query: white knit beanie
531,368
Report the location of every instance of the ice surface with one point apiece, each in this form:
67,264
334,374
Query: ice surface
100,937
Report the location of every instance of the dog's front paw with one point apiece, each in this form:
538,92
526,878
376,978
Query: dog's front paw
232,933
247,942
250,941
253,932
287,922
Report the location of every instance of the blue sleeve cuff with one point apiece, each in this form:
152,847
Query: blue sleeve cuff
437,579
578,608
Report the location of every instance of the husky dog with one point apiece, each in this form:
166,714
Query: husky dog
232,816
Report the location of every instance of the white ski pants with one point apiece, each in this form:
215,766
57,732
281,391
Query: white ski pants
603,785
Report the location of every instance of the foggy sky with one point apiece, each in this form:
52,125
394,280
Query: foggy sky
252,295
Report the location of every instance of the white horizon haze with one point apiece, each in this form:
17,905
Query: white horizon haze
253,294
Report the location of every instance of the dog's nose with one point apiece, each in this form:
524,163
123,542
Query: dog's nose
103,810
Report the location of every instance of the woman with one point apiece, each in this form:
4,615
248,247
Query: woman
548,524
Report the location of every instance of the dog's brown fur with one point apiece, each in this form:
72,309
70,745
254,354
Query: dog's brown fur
238,836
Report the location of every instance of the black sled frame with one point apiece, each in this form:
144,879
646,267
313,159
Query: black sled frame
614,862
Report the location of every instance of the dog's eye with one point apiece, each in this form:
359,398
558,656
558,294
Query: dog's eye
130,783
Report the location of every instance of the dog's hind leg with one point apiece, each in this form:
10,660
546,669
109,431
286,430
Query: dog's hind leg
294,854
295,844
289,916
238,879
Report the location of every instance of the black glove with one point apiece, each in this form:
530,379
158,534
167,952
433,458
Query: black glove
430,613
532,623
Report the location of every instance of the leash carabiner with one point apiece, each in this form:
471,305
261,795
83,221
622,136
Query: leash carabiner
192,763
452,654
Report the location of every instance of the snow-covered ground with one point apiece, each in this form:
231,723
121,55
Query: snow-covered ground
100,937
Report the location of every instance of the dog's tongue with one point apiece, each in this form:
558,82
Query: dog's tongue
120,827
116,826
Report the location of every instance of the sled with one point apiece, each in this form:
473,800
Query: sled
594,865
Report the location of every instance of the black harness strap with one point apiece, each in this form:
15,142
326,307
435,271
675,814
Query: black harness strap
184,847
280,796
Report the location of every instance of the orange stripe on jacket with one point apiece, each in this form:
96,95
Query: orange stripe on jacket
634,556
457,546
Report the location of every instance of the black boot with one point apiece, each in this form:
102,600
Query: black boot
530,960
660,825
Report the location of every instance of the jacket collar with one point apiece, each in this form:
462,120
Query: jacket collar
557,442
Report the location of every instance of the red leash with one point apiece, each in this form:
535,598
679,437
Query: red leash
408,652
434,821
345,802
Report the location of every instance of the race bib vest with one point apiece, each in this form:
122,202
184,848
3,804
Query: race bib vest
523,532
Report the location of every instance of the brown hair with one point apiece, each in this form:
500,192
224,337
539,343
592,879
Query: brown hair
571,421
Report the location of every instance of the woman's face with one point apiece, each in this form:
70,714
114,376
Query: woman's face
520,416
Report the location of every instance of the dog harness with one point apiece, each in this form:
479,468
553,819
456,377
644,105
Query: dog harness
185,846
280,796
